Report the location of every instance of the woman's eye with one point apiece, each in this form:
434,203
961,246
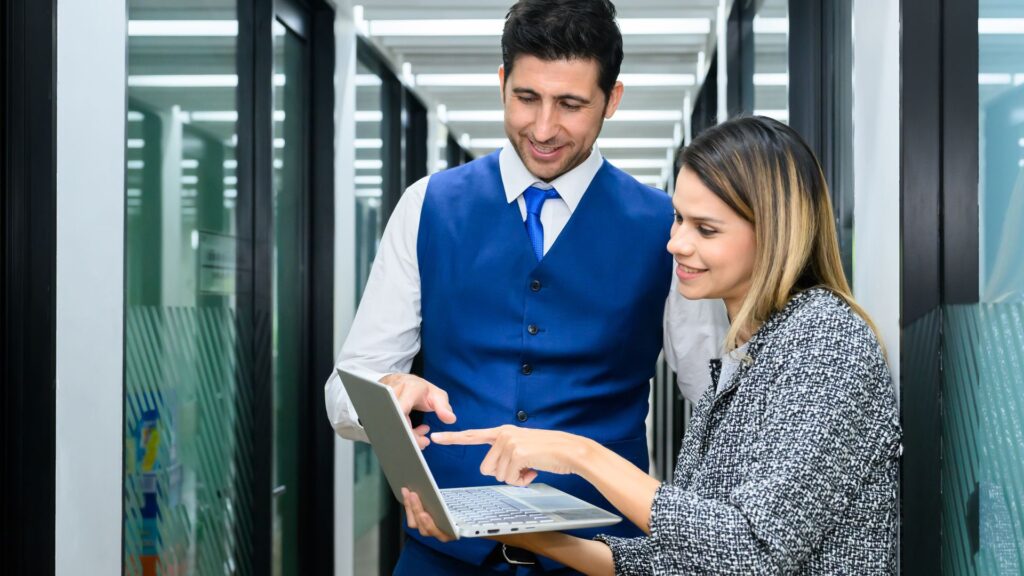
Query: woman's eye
705,231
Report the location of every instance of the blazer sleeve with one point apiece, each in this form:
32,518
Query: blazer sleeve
830,420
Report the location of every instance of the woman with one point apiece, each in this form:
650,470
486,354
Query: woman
790,462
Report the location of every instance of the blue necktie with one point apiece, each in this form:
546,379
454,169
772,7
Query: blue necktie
535,198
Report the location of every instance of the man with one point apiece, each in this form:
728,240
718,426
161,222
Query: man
534,280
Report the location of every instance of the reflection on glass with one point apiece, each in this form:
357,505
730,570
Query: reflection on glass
771,60
369,173
186,469
289,194
983,344
371,492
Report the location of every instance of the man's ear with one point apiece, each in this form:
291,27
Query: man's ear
614,99
501,82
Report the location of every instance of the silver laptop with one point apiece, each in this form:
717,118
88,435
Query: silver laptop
460,512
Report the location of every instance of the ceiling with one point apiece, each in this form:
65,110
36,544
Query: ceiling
667,46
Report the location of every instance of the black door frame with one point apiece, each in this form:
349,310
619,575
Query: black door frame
28,265
313,21
939,232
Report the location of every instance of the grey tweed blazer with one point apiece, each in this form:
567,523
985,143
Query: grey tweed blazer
792,468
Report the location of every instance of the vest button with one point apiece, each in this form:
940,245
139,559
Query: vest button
522,416
527,369
535,285
532,329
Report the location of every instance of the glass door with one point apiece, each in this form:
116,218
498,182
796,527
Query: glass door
983,347
188,466
291,192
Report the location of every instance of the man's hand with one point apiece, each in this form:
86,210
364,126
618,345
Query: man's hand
415,393
419,519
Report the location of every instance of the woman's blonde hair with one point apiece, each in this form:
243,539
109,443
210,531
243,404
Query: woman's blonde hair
767,174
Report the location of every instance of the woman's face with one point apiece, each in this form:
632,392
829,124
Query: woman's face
713,246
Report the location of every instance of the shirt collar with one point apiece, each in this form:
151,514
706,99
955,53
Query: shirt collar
570,186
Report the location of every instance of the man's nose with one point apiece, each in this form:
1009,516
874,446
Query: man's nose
545,126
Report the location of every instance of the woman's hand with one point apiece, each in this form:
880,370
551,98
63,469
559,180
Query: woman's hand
517,454
420,519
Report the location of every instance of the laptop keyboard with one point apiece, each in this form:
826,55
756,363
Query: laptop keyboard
486,506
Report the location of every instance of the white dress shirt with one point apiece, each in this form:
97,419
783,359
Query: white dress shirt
385,334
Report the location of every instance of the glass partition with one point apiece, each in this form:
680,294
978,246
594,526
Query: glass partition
771,60
187,382
983,344
290,191
372,496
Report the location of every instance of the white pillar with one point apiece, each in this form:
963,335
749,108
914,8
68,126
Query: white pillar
344,264
90,289
876,153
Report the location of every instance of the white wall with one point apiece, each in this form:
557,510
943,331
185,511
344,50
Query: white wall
344,265
90,288
876,151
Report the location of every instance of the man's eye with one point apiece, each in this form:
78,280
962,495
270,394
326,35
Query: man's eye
527,99
679,218
570,107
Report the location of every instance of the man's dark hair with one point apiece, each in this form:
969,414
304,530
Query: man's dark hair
565,30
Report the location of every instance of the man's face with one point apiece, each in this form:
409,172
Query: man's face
554,111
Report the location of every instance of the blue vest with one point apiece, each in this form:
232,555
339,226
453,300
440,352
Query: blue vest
568,343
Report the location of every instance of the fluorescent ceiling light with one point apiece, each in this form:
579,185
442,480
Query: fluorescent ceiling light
991,79
229,116
657,80
222,28
369,115
765,79
231,193
192,164
229,164
214,116
135,116
279,143
370,180
780,115
655,181
136,143
476,116
184,81
669,26
494,27
369,143
771,25
369,164
136,164
368,80
647,116
638,163
458,80
231,180
182,28
369,193
191,80
191,180
1001,26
